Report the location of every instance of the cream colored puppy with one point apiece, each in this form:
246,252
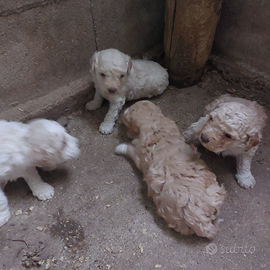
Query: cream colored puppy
23,147
231,126
117,78
184,190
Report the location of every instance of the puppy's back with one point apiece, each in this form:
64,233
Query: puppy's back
147,79
185,191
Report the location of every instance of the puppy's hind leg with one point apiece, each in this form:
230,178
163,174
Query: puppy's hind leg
95,103
40,189
129,151
4,209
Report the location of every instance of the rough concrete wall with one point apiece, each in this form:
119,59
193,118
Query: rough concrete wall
243,35
45,44
128,25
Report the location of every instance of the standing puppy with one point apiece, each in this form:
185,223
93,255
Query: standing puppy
117,78
23,147
184,190
231,126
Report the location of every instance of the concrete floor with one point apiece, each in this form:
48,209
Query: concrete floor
101,218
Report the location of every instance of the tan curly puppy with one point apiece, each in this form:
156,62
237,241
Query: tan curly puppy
185,192
231,126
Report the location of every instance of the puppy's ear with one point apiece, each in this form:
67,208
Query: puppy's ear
129,63
152,107
133,131
37,156
252,142
93,62
125,117
132,128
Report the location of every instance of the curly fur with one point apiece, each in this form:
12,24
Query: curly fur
117,78
231,126
23,147
184,190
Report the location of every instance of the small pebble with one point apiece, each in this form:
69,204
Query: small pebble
141,248
48,264
18,212
144,231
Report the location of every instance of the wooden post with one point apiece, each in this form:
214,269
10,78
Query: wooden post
190,27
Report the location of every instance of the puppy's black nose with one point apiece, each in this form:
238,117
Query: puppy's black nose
204,139
112,90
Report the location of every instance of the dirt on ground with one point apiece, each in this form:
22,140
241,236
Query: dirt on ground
101,217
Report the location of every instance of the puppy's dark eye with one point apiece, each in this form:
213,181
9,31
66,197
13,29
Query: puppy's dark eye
228,136
103,75
122,76
210,118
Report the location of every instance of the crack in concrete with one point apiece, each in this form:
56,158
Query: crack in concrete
94,24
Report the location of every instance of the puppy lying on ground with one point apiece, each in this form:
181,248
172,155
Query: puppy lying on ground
185,192
117,78
231,126
23,147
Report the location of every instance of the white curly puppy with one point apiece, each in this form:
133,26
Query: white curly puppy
23,147
184,190
117,78
231,126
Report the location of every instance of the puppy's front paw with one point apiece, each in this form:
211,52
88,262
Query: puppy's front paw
43,191
106,128
186,135
4,217
121,149
190,138
92,105
246,180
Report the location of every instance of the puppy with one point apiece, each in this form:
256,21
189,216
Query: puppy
185,192
117,78
23,147
231,126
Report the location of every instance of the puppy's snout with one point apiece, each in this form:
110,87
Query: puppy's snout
112,90
204,138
